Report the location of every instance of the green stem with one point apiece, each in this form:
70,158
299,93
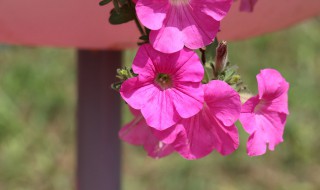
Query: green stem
136,18
206,78
116,5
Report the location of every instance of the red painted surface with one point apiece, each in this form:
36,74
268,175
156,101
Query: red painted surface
84,24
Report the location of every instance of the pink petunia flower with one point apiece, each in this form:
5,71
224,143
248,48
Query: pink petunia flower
179,23
167,88
264,116
212,128
137,132
247,5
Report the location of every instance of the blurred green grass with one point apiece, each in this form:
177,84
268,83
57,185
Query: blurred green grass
37,109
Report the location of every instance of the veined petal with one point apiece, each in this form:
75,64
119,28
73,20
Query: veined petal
256,144
169,135
273,88
198,28
270,127
187,98
203,134
169,38
190,68
162,114
247,116
217,9
143,63
223,101
156,148
183,65
137,132
136,92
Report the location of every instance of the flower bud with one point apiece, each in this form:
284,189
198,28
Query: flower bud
221,57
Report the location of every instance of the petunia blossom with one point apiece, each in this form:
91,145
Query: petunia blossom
179,23
167,88
264,115
212,128
137,132
247,5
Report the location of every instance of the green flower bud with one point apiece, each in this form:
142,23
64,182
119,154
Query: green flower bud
221,57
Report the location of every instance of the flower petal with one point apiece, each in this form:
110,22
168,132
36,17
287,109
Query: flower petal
198,28
217,9
162,114
184,65
273,88
247,116
187,98
137,132
256,145
265,127
169,135
223,101
151,13
156,148
137,92
190,68
143,63
270,127
204,133
168,39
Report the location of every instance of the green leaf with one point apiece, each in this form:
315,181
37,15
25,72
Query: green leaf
104,2
125,14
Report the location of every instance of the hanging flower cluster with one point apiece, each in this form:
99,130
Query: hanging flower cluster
188,103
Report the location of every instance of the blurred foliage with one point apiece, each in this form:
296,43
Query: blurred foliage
37,108
37,100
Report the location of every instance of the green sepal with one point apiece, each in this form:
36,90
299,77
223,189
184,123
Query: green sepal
122,74
211,51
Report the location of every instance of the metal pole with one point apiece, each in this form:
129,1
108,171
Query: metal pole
98,120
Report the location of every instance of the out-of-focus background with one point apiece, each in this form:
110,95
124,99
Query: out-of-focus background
37,128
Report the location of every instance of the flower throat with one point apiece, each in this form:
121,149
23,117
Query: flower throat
164,81
179,2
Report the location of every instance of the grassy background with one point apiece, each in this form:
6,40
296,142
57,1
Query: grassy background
37,110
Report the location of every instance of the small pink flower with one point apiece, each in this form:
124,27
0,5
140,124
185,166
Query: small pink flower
212,128
247,5
137,132
167,88
264,116
178,23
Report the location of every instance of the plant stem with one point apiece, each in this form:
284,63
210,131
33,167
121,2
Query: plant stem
136,18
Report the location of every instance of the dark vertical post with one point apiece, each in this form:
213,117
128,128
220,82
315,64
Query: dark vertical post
98,120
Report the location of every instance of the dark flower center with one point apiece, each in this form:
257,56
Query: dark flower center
163,80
